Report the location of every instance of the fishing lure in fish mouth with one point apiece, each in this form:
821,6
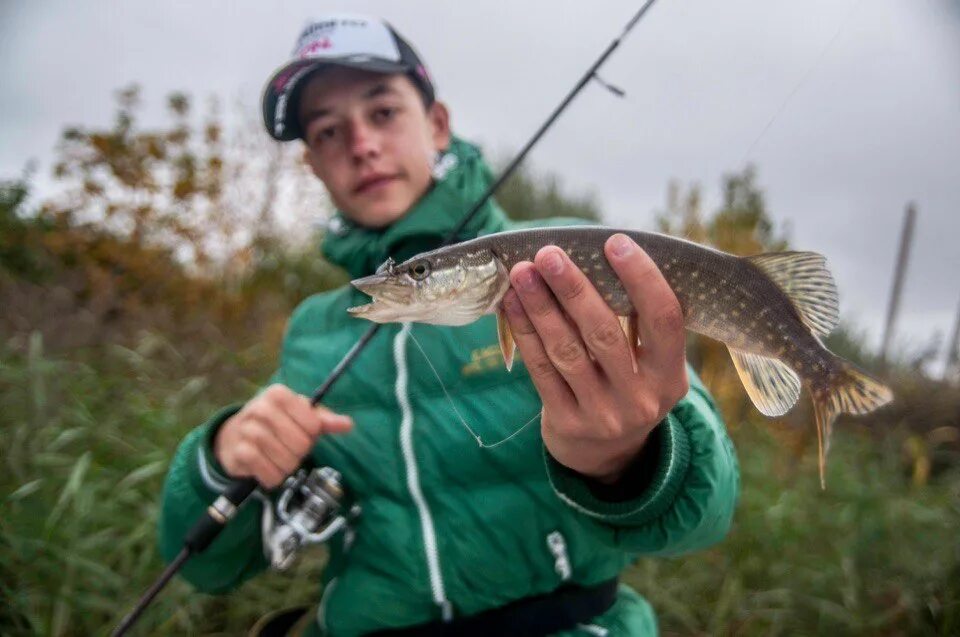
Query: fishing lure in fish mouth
771,310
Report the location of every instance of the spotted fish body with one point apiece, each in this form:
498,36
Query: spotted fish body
770,310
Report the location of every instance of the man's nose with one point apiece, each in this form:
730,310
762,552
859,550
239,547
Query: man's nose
363,140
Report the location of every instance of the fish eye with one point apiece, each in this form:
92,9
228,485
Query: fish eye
420,270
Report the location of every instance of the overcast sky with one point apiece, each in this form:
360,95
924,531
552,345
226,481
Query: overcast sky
871,118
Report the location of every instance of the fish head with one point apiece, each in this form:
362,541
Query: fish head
448,286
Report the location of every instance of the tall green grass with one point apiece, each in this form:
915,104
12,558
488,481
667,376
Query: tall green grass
85,445
871,555
85,442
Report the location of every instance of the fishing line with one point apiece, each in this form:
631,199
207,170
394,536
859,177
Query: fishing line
803,79
453,405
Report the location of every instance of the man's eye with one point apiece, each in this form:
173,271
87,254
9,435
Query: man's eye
325,134
384,114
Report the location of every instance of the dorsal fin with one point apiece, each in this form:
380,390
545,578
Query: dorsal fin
772,386
805,279
629,326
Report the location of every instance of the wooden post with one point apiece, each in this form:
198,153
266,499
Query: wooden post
906,237
951,369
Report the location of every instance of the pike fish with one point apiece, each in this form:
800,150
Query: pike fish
771,310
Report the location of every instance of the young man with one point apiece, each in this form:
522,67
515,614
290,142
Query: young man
525,538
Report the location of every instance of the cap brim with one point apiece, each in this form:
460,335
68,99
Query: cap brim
288,81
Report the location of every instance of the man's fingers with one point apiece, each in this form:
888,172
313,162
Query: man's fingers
265,435
299,409
290,433
290,418
660,320
559,339
252,460
312,420
268,474
296,407
271,435
333,423
598,325
549,383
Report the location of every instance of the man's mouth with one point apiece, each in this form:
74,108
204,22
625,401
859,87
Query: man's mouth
373,182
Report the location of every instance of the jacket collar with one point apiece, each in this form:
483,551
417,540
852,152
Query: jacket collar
461,177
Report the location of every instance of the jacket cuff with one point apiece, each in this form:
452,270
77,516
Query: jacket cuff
672,461
206,474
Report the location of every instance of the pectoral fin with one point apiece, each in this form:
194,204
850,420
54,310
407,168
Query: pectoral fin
505,336
629,325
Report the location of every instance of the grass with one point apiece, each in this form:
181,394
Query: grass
873,554
85,447
86,441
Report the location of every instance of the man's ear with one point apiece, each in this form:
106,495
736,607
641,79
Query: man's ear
440,123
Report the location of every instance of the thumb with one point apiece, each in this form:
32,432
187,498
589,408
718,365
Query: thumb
334,423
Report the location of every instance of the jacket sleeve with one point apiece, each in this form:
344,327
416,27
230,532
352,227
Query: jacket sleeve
193,481
691,494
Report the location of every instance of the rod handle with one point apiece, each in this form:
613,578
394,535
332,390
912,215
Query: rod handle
223,509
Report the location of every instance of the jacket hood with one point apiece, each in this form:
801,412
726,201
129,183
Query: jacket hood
360,250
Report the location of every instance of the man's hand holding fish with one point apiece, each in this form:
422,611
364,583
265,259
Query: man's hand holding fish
597,413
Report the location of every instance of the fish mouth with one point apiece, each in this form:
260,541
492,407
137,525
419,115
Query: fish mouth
362,310
453,295
389,297
373,284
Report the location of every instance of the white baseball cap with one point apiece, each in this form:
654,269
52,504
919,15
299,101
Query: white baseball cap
355,41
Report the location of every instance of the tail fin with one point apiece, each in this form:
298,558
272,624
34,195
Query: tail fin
851,391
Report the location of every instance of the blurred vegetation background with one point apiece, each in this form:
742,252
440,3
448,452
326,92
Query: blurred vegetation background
155,285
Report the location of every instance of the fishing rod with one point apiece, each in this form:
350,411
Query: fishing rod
225,507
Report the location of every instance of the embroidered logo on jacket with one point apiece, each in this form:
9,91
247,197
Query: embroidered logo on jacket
485,359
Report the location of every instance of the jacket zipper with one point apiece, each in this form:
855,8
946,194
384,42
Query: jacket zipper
413,477
561,560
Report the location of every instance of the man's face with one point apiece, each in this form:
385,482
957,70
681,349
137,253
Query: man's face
371,141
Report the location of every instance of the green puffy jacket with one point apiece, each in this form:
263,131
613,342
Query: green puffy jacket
449,528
